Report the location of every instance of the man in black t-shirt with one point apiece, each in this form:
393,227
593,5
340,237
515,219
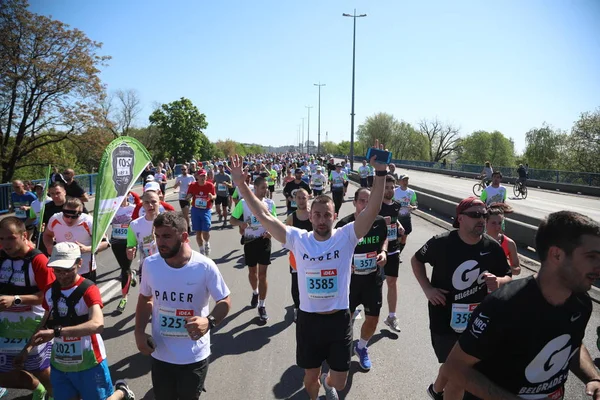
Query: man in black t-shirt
546,313
366,282
72,186
390,210
289,190
467,264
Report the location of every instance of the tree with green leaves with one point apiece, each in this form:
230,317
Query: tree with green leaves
482,146
544,147
49,78
180,124
584,142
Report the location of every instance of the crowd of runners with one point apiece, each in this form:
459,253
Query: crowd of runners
51,318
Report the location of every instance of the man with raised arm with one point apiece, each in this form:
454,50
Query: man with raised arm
324,265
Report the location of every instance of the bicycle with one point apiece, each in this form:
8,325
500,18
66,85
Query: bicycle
480,187
519,189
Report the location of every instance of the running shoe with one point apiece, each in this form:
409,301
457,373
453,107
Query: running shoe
122,385
38,394
262,313
207,249
254,301
433,394
3,391
363,357
121,306
220,218
330,393
134,280
201,250
356,314
393,323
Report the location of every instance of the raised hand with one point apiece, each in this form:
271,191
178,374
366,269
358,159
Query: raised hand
237,170
377,166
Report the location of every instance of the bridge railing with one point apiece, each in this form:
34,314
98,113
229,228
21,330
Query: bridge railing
547,175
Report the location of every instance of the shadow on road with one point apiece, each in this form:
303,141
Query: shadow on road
226,258
116,329
227,343
291,384
131,367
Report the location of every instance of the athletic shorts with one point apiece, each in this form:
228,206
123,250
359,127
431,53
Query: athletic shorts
324,337
366,290
443,344
370,180
271,188
231,190
178,381
201,220
363,182
257,251
392,266
69,385
222,200
406,224
33,362
184,203
317,192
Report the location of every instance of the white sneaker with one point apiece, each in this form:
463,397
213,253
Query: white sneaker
207,249
201,250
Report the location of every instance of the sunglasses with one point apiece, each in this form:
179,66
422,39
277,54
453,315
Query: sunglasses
476,214
71,214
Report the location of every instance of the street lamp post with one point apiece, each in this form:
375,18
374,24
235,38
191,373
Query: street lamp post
302,147
319,134
308,129
353,64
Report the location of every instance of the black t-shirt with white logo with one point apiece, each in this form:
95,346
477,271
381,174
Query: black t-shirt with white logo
546,337
392,211
458,267
367,249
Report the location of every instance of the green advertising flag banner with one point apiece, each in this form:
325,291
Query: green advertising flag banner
122,163
43,201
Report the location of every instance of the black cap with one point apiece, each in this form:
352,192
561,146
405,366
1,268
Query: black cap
338,165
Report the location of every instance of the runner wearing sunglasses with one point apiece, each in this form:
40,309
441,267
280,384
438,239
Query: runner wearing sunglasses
73,225
467,265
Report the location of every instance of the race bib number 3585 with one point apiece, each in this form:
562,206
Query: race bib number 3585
321,283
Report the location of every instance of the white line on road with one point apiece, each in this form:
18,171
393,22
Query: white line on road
109,289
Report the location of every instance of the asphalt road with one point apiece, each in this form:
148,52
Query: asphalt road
539,202
254,361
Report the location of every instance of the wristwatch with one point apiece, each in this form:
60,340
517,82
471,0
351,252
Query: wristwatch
17,300
211,322
57,331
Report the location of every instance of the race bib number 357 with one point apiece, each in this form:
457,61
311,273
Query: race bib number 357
322,283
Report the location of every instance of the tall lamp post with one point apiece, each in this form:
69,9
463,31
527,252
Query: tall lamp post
319,134
308,133
302,147
354,16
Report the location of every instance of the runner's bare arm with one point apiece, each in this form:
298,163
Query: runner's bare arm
143,311
274,226
41,325
515,264
583,366
458,369
365,219
95,324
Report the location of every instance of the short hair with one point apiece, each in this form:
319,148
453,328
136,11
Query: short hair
15,222
564,230
73,202
496,211
301,190
359,191
390,178
259,181
497,173
322,199
171,219
57,184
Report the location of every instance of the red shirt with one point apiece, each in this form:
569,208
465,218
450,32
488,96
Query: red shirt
162,208
200,200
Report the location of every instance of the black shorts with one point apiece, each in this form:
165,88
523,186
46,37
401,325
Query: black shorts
271,188
257,251
317,192
324,337
406,224
392,266
222,200
370,180
184,203
363,182
443,344
179,381
366,290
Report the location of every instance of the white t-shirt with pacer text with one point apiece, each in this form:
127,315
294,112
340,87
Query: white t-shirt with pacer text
324,267
178,293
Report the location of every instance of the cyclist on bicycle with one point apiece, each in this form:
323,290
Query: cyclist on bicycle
487,172
522,171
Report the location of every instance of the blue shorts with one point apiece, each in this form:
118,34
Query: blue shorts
201,220
91,384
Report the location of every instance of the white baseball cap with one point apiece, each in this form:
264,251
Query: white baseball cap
152,186
150,178
64,255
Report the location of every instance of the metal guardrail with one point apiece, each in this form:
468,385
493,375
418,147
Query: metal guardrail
546,175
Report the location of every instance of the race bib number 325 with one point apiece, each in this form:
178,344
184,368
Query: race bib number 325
172,322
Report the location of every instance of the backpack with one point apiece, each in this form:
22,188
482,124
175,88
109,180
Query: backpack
8,288
71,318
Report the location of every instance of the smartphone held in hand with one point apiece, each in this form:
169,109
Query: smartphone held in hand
381,156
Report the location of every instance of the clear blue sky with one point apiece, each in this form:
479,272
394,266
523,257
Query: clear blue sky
250,66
